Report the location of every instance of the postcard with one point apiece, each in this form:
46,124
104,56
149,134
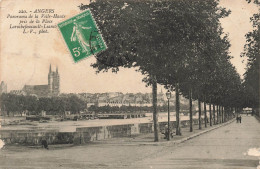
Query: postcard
129,84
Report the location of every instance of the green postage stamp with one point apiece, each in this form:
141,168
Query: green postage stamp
82,36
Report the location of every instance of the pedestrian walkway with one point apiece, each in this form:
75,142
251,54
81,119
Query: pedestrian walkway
226,147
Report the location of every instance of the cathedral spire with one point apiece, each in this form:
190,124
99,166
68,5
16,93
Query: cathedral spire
57,69
50,68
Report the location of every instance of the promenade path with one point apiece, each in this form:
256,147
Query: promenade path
228,147
224,147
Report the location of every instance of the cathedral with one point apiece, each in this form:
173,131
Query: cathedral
51,89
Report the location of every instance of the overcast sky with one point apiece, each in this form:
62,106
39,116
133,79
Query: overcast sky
237,24
25,59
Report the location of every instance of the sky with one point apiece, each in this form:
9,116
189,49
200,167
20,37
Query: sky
25,58
237,24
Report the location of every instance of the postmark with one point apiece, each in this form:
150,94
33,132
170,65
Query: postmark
81,36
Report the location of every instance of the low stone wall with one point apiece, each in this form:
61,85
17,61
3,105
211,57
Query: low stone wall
82,135
27,137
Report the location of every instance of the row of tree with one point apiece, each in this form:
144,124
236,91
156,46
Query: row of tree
179,44
31,104
252,53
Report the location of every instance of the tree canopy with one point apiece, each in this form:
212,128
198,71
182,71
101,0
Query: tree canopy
52,105
251,52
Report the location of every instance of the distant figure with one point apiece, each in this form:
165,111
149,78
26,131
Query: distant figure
45,144
240,118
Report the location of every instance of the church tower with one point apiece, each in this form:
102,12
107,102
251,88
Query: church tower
54,82
50,80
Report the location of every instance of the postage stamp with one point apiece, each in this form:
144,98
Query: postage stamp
82,36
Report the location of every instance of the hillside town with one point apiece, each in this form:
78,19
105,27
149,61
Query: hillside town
46,99
112,99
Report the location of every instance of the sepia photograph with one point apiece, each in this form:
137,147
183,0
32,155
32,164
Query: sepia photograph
129,84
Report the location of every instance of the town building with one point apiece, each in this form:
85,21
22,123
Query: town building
119,99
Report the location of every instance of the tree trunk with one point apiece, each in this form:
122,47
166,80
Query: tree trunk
219,107
155,114
233,112
217,114
227,113
222,113
199,104
214,114
210,115
205,114
178,127
230,113
190,99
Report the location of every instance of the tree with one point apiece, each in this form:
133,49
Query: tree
206,46
251,76
30,104
44,104
12,103
76,104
